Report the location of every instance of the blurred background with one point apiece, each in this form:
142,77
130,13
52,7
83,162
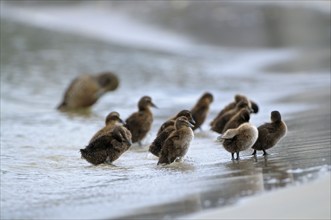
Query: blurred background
275,52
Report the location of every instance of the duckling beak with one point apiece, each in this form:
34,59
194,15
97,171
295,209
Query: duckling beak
190,125
121,121
153,105
129,142
192,121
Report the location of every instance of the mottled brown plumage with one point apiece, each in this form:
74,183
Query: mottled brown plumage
239,118
220,122
109,147
201,109
156,146
239,139
177,144
270,133
85,90
166,129
140,123
113,119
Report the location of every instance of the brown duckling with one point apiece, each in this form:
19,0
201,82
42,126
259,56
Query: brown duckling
166,129
220,123
232,105
85,90
241,117
239,139
109,147
113,119
177,144
201,109
270,133
139,123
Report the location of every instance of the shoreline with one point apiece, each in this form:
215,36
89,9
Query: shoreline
296,201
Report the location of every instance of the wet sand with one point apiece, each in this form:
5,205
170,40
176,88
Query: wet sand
295,202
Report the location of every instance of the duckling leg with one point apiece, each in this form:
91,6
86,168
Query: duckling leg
237,155
140,144
265,153
254,153
232,156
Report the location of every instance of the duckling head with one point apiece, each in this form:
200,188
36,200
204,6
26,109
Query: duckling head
187,114
275,116
255,107
108,81
114,117
239,97
207,97
182,121
145,102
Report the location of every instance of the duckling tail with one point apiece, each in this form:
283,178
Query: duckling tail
83,153
61,106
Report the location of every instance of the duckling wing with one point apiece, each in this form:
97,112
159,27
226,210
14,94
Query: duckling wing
160,139
99,144
168,153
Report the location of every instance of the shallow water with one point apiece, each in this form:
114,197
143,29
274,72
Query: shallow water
43,176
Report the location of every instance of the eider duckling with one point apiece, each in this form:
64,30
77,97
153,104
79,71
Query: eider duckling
239,139
85,90
201,109
165,130
220,123
241,117
139,123
177,144
270,133
113,119
232,105
109,147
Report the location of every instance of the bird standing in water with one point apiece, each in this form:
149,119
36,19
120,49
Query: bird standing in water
239,139
270,133
140,123
201,109
177,144
166,129
108,147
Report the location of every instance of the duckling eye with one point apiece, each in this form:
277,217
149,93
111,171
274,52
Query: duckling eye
104,81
